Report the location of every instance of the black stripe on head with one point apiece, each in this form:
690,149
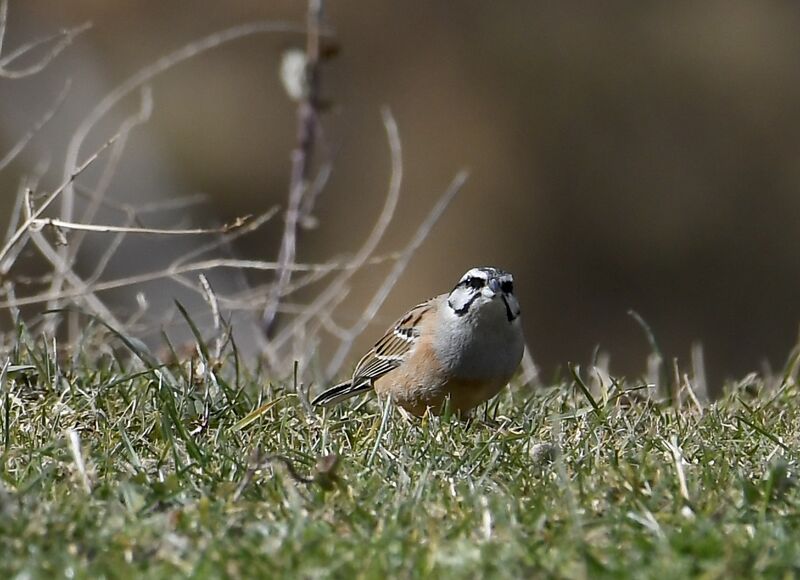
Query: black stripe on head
476,279
511,316
506,283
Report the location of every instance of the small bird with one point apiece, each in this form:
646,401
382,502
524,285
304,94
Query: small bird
464,346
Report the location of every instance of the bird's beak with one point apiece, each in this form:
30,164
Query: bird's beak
492,288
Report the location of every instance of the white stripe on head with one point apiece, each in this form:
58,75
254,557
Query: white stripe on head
480,285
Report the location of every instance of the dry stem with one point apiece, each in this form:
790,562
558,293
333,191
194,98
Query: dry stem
380,296
302,157
60,41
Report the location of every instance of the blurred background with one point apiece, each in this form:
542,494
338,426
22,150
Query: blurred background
623,156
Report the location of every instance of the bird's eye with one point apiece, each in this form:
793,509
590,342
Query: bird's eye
507,287
474,282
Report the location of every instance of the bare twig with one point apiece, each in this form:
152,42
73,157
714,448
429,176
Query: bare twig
148,73
11,298
69,253
17,235
20,145
168,272
306,218
91,302
3,20
127,126
106,256
302,158
136,81
338,285
60,41
104,260
380,296
228,237
94,304
16,211
21,210
158,206
61,224
255,297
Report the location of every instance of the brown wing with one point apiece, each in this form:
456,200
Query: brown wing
392,348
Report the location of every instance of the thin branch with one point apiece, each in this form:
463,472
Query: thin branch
370,244
69,253
166,62
305,218
380,296
313,270
302,158
92,302
255,298
110,169
23,142
4,267
22,210
142,77
3,21
105,258
61,39
227,238
16,211
238,223
152,207
11,298
159,275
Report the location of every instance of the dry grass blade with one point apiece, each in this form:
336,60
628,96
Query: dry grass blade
77,456
211,299
677,458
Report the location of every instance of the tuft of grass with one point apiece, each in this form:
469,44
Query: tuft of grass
115,464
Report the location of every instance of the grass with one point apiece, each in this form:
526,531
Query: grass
115,465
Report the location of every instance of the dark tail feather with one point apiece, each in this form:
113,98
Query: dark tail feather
340,393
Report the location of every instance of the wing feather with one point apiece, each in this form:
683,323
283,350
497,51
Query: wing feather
392,348
387,354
